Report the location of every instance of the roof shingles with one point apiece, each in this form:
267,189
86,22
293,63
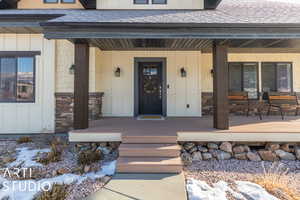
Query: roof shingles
229,11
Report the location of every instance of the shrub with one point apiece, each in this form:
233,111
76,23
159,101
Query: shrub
276,182
24,140
53,156
57,192
88,157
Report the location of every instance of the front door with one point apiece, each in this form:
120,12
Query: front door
150,88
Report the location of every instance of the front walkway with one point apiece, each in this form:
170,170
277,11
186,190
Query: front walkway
242,128
143,187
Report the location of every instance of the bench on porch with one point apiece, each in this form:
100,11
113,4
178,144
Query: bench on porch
283,102
239,101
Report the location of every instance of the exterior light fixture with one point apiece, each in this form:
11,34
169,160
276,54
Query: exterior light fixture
183,72
118,72
212,72
72,69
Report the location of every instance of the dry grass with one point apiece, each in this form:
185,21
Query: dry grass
277,183
57,192
25,139
89,157
53,156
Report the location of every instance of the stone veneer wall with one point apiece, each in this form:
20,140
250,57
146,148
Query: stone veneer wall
195,151
64,109
207,106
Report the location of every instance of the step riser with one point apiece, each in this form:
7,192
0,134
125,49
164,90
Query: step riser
149,140
148,153
148,169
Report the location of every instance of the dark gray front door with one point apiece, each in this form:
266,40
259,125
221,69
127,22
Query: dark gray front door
150,88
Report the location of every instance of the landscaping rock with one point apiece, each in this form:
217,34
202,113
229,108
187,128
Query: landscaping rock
212,146
285,155
192,150
253,156
87,168
268,155
202,149
196,156
64,170
272,146
241,156
188,146
54,173
226,146
206,156
221,155
238,149
297,152
286,147
186,158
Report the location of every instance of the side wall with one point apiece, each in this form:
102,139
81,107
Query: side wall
171,4
35,117
118,97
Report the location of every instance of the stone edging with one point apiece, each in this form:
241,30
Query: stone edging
195,151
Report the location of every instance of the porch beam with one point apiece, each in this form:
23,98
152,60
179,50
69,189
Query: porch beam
220,86
81,86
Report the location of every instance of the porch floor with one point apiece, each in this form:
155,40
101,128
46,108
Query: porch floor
242,128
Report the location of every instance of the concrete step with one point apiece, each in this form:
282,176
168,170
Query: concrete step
149,165
149,139
149,150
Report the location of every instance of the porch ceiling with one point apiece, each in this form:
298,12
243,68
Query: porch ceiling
186,44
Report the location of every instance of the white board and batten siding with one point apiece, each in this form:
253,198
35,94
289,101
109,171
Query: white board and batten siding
37,117
118,97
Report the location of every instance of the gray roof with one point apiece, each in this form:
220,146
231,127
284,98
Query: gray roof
229,11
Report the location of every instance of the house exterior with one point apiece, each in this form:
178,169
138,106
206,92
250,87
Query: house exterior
66,61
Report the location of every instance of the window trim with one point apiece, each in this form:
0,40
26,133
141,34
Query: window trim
63,2
45,1
30,54
135,3
160,3
242,76
276,64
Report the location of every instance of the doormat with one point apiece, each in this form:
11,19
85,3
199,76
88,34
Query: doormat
150,117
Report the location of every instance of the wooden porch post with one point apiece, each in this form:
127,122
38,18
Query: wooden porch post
81,86
220,86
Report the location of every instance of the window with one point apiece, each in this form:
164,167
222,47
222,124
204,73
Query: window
159,1
17,79
140,2
276,77
67,1
50,1
244,77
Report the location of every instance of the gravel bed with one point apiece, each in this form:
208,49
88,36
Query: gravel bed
233,170
68,161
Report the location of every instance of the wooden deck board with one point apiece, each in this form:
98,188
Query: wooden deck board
242,128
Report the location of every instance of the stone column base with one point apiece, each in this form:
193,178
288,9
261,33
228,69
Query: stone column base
64,109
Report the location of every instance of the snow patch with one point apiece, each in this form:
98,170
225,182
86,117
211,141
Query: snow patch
27,189
254,191
25,157
200,190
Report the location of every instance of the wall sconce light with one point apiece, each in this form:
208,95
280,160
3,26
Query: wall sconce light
72,69
212,72
183,72
118,72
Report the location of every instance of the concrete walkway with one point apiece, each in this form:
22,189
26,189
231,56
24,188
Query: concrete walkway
143,187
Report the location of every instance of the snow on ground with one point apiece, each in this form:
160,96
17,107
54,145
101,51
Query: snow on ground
200,190
25,157
27,189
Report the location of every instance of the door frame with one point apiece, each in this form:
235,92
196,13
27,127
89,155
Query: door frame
162,60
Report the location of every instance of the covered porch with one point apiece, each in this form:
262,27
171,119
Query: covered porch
241,129
218,40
